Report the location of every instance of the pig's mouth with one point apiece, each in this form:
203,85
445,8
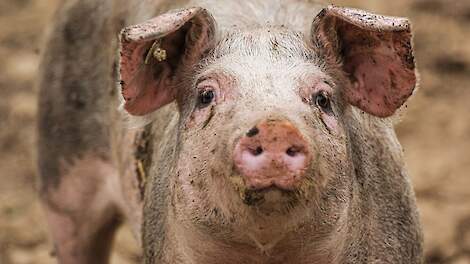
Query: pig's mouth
271,196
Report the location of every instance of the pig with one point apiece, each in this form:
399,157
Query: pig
227,132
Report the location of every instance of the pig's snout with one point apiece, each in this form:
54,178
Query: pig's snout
272,154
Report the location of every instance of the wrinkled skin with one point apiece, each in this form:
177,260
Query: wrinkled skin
184,180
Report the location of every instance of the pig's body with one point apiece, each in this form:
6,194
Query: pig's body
360,208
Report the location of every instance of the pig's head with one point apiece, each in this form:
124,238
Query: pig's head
262,136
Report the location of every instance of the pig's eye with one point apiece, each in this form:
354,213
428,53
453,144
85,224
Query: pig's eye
205,98
323,101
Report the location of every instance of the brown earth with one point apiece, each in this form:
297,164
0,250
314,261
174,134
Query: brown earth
435,131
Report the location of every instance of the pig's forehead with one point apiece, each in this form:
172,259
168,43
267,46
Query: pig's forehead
274,43
273,52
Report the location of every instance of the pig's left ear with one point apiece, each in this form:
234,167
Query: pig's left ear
153,52
376,53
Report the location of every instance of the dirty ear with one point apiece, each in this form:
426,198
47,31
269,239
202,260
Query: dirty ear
152,52
375,52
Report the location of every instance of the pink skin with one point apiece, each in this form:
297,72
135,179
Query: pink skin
142,96
379,60
146,86
272,154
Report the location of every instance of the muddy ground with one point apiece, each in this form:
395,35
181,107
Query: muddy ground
435,131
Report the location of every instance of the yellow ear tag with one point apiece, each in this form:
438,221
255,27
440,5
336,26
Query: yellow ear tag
156,52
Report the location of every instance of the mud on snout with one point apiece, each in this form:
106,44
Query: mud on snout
274,165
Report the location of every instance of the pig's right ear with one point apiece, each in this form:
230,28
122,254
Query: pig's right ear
152,52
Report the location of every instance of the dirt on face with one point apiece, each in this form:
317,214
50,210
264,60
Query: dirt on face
434,131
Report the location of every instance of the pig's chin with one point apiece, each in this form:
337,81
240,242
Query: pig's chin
270,199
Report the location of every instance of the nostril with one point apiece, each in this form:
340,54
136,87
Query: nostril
292,151
257,151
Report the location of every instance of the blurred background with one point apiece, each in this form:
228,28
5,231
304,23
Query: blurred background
435,130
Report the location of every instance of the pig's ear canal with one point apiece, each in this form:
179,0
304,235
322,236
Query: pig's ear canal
153,52
376,53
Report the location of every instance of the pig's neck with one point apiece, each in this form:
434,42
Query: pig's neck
187,245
